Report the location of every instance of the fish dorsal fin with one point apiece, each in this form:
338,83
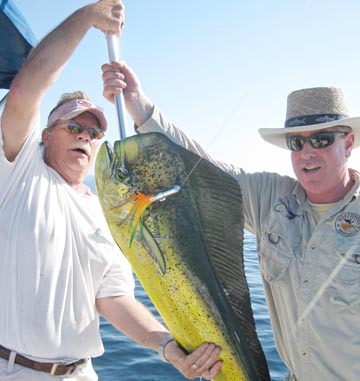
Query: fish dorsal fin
219,203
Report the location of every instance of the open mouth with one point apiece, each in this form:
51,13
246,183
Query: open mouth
81,151
311,169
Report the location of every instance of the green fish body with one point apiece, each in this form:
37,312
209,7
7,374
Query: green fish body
186,250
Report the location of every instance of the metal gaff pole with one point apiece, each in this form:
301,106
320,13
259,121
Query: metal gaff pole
113,50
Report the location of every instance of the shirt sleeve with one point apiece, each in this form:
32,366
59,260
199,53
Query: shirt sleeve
258,189
12,173
118,280
158,122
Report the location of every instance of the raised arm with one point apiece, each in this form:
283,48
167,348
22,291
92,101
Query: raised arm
117,76
44,65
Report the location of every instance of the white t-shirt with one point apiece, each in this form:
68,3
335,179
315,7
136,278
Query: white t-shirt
57,256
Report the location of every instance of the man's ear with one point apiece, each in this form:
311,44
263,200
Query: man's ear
45,137
349,143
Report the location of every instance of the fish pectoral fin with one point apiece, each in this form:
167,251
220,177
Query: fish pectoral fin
153,249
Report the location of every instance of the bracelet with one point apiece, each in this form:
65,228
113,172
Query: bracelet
162,346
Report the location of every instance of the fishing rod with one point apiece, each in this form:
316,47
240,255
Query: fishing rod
113,51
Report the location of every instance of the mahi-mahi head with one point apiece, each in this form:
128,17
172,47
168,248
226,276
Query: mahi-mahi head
186,250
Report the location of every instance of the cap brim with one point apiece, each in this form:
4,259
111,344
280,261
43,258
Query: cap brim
95,111
75,107
277,136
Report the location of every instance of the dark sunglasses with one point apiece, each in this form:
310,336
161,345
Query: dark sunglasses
318,140
76,129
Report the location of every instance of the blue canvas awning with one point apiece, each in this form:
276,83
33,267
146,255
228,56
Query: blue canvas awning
16,41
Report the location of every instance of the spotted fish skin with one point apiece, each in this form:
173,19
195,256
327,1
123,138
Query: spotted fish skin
187,253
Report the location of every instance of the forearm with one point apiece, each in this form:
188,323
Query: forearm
139,324
133,319
41,69
44,65
140,109
158,122
119,77
47,59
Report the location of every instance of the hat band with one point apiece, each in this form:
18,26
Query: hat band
309,120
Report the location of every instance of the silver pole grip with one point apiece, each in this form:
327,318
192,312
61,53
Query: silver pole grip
113,49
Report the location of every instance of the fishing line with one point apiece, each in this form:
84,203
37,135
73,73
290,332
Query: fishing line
323,287
342,262
275,55
249,89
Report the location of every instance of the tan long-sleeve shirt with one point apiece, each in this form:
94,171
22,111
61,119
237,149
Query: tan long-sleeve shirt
310,271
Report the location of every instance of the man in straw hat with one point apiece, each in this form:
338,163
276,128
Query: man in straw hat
59,266
307,229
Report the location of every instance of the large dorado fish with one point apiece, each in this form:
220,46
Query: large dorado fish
186,250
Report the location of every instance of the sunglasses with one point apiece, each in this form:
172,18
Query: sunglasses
76,129
318,140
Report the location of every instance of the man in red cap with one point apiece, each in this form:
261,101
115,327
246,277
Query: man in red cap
59,266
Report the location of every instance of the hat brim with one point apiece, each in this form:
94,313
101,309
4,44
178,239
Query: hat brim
277,136
95,111
75,107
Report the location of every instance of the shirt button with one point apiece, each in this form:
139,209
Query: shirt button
304,353
313,247
306,281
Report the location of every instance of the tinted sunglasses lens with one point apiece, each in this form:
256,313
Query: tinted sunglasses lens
322,140
295,143
95,133
319,140
74,127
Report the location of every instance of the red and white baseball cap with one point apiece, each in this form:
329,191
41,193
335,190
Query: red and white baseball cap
75,107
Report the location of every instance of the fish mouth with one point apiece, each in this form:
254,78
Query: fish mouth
119,174
110,152
106,155
108,164
103,163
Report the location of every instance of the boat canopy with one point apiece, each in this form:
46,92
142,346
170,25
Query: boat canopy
16,41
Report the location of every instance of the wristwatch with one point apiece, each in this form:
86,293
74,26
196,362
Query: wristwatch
162,346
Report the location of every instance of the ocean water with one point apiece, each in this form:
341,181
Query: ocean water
126,361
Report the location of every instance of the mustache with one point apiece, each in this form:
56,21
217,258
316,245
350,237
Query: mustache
81,145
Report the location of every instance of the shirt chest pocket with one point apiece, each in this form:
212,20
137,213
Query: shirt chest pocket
277,251
344,288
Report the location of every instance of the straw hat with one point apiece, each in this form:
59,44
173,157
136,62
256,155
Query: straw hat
311,110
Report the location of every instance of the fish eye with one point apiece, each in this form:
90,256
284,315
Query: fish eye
119,174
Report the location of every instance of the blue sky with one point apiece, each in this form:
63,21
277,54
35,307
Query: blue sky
219,69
